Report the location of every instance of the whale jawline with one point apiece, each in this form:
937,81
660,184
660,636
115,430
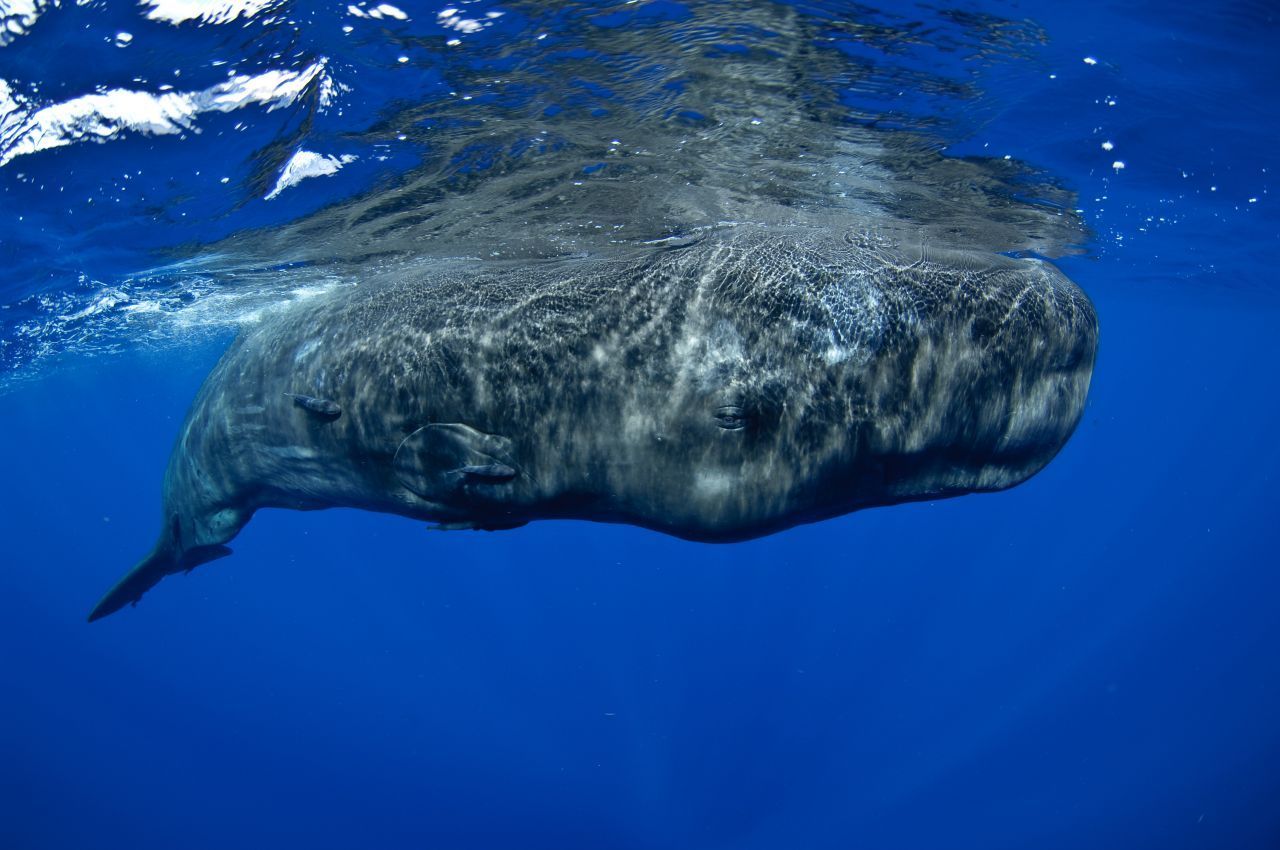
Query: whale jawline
162,561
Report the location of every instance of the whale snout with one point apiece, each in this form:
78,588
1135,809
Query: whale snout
972,373
999,386
1052,341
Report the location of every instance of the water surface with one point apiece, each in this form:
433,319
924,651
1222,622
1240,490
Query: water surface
1086,660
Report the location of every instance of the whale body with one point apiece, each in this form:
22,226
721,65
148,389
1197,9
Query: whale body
754,380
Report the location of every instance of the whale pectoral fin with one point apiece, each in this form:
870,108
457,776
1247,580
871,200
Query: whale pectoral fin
161,562
442,461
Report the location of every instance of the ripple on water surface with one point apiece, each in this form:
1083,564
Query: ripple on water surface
178,166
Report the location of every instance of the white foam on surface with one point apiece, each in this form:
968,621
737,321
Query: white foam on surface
379,12
205,11
26,129
17,17
304,164
451,18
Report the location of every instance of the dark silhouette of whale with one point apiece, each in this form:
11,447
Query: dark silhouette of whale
754,380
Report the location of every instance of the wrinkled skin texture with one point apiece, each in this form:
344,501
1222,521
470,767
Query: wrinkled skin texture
755,380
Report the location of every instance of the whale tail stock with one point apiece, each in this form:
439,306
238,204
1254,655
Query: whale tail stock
166,558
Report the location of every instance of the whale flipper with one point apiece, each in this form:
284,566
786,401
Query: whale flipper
162,561
439,462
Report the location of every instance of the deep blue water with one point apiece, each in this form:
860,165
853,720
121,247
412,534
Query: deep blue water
1087,660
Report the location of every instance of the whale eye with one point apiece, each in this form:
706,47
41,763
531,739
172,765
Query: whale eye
731,417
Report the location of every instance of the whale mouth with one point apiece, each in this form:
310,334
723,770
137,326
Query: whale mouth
161,562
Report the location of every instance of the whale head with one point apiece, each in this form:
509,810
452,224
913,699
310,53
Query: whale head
811,382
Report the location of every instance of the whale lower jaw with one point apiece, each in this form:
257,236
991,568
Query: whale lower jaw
162,561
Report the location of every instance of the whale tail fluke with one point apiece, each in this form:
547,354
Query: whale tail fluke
164,560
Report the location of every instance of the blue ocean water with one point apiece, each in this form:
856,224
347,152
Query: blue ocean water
1087,660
